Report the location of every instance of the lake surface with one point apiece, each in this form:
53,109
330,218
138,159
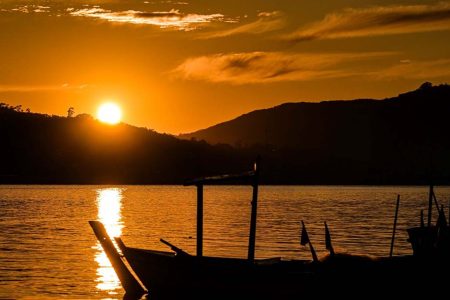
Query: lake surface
47,248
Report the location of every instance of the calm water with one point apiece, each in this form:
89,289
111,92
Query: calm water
47,248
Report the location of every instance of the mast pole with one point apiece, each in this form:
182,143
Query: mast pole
430,205
391,252
199,220
252,235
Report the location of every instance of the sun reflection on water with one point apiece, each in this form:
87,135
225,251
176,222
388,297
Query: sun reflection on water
109,213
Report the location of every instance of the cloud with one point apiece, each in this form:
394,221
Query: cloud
261,67
167,2
40,88
381,20
26,9
163,19
266,22
408,69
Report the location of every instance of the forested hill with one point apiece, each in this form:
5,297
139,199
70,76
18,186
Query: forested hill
402,139
37,148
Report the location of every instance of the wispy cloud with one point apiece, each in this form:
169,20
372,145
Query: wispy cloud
172,19
266,22
31,8
40,88
381,20
408,69
167,2
163,19
262,67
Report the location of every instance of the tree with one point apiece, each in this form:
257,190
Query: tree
70,112
426,85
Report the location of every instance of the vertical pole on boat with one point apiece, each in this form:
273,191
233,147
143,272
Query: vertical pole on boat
436,202
199,220
252,235
395,226
422,224
430,205
442,221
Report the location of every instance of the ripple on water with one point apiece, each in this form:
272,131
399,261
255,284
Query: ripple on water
47,248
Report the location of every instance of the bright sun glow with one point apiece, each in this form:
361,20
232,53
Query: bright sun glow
109,113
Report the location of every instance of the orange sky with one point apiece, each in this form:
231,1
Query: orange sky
178,66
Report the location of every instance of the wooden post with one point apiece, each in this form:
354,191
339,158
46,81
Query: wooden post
252,235
436,202
422,224
430,205
199,220
395,226
442,217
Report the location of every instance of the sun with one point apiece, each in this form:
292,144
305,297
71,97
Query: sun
109,113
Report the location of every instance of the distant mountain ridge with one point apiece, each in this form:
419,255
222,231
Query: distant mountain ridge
399,139
279,124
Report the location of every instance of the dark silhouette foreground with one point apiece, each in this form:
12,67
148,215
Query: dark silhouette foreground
178,274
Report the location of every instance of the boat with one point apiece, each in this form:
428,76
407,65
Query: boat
176,274
432,239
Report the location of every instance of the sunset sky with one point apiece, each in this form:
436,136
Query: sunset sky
178,66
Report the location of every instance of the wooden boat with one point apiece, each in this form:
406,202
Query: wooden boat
431,240
171,275
177,273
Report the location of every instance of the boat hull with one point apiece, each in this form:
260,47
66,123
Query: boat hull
168,275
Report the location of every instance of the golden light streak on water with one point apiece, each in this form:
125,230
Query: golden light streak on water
109,213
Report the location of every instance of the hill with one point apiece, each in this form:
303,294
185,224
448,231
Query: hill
38,148
399,140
